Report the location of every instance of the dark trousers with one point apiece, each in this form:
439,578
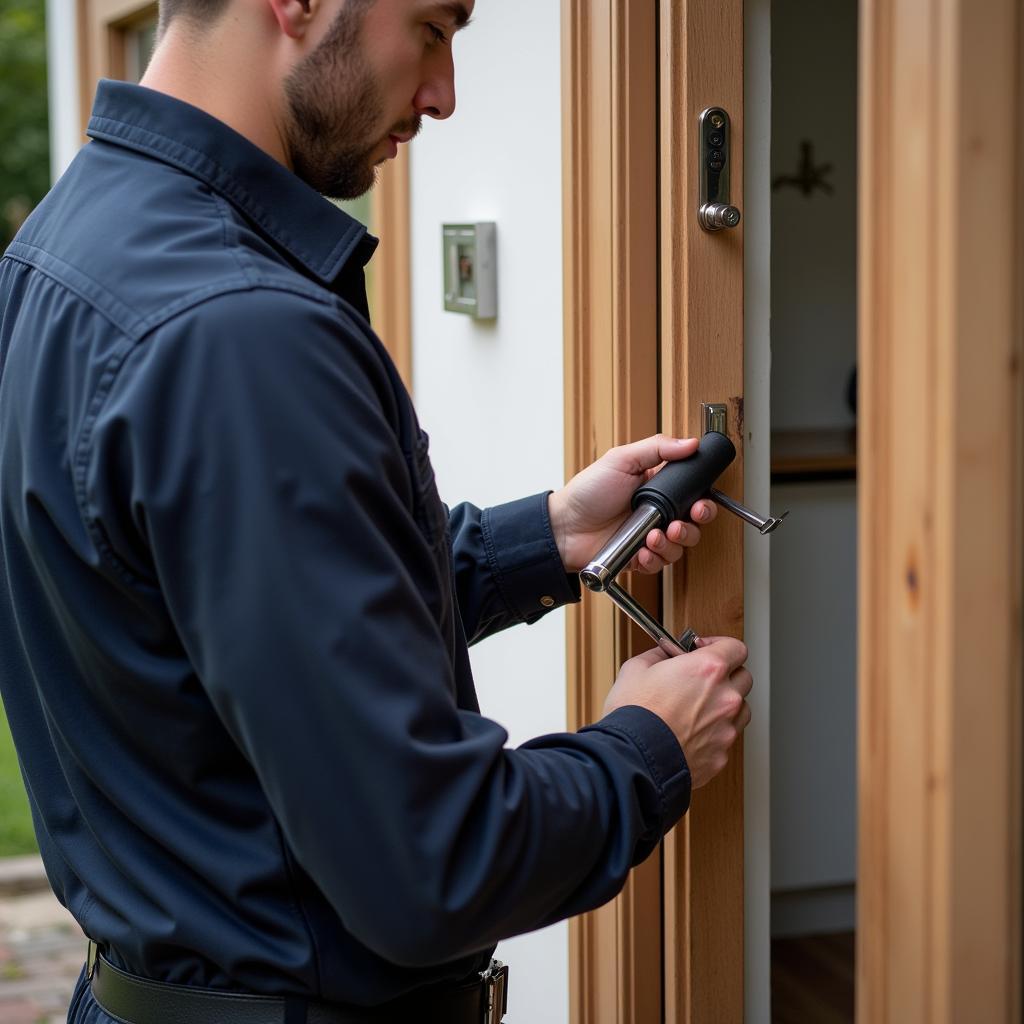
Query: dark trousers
84,1009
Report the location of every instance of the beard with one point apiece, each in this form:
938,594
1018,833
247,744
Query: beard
334,111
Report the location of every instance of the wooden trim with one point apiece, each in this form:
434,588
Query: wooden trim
941,456
392,271
102,25
610,227
701,49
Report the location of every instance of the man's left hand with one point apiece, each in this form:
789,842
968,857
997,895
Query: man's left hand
595,502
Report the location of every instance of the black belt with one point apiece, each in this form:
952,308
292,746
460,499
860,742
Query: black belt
138,1000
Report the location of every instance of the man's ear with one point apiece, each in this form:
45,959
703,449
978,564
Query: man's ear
294,16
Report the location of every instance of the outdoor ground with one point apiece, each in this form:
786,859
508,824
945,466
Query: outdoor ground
41,947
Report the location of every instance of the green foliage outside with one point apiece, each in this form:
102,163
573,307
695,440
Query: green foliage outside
16,835
24,180
24,124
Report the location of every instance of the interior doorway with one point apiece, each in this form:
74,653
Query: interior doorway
814,474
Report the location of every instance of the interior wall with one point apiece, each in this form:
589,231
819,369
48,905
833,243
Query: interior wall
814,558
814,258
490,393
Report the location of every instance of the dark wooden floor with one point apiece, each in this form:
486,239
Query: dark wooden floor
813,979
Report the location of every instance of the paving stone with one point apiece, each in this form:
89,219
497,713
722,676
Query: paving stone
41,954
20,1011
22,874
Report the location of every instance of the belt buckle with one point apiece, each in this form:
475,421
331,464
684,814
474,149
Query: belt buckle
495,980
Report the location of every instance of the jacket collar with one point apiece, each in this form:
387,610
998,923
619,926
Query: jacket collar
298,219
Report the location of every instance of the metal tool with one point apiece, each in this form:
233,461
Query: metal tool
667,496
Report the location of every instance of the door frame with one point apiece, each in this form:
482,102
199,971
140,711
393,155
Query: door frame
942,421
609,89
625,66
941,511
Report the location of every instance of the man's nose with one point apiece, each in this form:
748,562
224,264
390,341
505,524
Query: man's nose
436,96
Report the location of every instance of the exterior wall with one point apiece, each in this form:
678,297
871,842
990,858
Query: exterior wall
490,393
62,70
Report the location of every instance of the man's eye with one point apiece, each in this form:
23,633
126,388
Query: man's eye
437,34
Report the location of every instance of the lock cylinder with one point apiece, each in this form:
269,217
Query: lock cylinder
715,216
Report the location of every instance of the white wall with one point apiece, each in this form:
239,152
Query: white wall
814,701
490,394
62,72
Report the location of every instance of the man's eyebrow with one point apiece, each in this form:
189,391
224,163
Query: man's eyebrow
455,10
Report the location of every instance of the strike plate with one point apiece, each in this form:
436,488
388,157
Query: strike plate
715,418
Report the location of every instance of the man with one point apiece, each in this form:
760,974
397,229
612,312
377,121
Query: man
235,615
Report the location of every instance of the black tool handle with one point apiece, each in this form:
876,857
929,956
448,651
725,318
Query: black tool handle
674,489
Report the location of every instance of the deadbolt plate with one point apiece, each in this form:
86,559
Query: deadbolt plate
714,156
715,417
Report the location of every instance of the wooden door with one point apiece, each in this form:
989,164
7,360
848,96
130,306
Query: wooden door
941,511
654,327
702,361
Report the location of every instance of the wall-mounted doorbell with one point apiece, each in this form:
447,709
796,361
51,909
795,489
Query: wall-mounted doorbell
471,270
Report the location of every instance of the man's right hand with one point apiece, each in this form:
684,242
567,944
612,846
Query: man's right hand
701,696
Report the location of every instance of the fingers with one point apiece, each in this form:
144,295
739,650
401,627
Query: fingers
665,547
646,561
704,511
651,657
668,544
742,682
652,451
732,651
742,720
686,535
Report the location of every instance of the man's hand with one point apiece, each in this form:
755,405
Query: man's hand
700,696
595,502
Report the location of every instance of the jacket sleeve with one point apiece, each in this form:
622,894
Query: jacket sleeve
507,566
265,474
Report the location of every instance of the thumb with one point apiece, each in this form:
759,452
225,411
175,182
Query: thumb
652,657
653,451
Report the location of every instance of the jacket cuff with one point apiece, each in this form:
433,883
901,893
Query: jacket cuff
661,752
524,559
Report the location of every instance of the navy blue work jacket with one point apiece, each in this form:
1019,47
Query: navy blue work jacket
234,611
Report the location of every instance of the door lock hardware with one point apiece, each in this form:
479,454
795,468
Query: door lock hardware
715,417
714,153
667,496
